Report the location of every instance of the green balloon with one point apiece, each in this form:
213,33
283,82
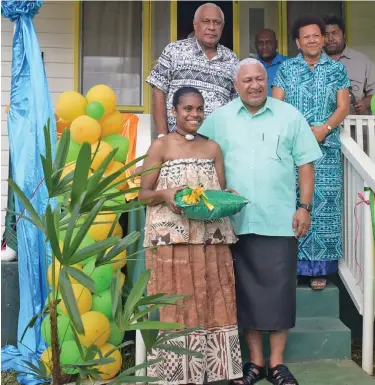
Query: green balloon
65,332
114,201
373,104
102,275
102,302
116,336
73,151
120,142
95,110
70,355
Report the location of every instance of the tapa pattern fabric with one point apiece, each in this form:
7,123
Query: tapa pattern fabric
163,227
184,64
314,93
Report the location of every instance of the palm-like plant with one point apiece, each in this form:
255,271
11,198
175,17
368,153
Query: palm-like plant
82,198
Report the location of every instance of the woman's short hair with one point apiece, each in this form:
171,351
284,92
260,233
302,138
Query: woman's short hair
182,92
303,21
332,19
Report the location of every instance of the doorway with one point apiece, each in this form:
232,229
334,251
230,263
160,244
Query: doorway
185,16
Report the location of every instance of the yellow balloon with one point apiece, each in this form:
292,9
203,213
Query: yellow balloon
122,280
117,232
121,258
85,129
97,329
104,95
101,227
46,357
111,124
108,371
103,151
83,298
114,167
57,271
70,105
69,167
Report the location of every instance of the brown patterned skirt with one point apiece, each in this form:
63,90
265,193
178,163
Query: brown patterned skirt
205,275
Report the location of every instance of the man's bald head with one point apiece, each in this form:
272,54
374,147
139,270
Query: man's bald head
266,44
201,9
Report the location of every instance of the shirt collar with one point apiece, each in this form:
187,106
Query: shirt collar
241,107
278,59
198,50
323,58
346,53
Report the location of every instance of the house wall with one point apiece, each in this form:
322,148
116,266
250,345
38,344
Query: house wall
361,17
54,25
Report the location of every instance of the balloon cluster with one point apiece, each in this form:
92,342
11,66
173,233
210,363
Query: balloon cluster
95,120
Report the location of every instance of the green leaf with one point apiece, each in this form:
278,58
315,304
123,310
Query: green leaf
35,369
127,343
61,155
153,325
29,325
172,335
78,342
81,277
81,173
72,223
70,301
47,160
115,294
140,314
27,204
93,250
52,234
119,247
99,361
135,295
84,228
21,216
47,171
179,350
162,299
144,365
98,174
132,380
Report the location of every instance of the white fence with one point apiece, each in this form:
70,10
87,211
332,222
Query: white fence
357,268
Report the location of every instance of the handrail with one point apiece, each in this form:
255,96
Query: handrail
360,161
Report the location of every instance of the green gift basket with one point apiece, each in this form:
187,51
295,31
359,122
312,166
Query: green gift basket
198,203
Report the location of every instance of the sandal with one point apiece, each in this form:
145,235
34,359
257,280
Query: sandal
280,375
251,376
318,283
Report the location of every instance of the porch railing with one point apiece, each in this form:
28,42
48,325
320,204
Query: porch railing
357,268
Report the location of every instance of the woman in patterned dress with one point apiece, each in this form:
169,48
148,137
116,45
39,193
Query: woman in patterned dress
192,257
319,87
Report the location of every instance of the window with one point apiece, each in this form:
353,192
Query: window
112,49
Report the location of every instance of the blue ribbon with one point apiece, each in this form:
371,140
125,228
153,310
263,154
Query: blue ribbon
30,109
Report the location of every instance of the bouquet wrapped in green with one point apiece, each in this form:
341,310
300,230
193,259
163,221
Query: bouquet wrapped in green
202,204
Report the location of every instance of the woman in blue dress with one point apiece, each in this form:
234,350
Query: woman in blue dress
319,87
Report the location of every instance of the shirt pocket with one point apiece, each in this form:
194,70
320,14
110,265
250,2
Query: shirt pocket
269,147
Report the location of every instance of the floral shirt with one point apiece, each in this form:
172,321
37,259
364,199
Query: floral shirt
183,63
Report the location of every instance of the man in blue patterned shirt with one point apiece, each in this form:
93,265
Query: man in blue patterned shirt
198,62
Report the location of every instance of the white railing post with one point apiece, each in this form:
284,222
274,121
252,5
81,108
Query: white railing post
140,353
368,292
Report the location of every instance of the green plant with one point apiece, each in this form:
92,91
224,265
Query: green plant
82,197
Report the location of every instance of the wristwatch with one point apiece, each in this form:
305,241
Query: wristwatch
307,207
329,128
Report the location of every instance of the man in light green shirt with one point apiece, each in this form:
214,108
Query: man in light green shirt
262,140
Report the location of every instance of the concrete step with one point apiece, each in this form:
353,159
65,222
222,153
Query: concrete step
318,303
312,339
329,372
